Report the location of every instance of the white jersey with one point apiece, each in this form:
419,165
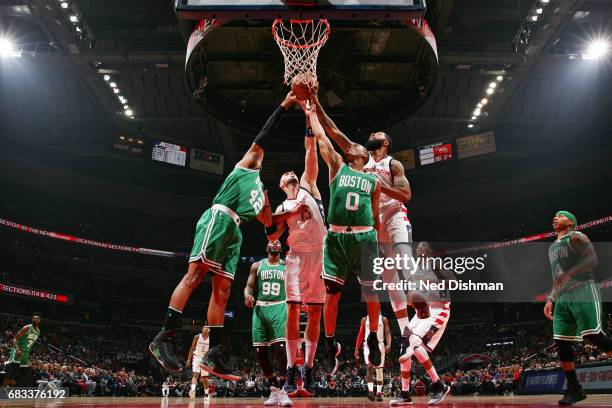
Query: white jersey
201,347
382,170
437,298
305,234
380,334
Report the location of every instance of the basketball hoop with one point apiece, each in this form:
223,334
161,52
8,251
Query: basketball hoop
300,42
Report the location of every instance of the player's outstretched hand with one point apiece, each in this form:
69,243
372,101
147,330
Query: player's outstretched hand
289,101
548,310
249,301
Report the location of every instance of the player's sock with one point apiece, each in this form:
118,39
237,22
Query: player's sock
193,387
421,354
405,369
173,319
370,387
311,351
292,347
572,379
215,335
378,388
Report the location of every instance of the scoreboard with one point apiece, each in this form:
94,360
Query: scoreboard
435,153
169,153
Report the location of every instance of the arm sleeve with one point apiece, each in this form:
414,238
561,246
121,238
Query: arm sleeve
269,129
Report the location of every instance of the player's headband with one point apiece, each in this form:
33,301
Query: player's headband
571,217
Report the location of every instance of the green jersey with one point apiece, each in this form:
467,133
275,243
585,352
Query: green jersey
271,281
242,192
562,258
25,344
350,201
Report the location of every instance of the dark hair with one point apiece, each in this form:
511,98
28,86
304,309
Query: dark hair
388,139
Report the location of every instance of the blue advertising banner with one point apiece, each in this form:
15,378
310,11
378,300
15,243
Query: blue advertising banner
543,381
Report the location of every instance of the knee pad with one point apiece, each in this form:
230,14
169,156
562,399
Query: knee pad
332,288
600,340
565,350
421,354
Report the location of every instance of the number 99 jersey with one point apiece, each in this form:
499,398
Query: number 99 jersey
270,312
271,281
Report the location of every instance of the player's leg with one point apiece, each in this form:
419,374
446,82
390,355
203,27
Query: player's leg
588,316
404,397
194,381
369,377
204,378
335,272
311,339
364,249
291,344
379,383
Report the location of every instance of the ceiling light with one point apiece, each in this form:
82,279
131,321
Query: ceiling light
113,85
539,10
64,4
106,77
116,90
471,125
597,49
500,78
129,112
474,117
126,107
484,101
534,17
545,1
477,112
490,91
6,46
74,18
479,105
493,85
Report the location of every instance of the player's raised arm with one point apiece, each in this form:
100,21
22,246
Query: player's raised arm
332,158
400,190
254,156
330,127
375,204
311,165
249,289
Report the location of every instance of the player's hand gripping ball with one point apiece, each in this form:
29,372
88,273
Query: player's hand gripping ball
302,86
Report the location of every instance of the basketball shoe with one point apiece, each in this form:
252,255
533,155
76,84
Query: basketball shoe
163,349
403,399
215,362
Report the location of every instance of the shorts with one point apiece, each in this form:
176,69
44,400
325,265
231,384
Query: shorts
23,360
217,243
577,313
195,367
268,325
303,283
366,353
395,229
350,252
430,330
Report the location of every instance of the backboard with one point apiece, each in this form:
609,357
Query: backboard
270,9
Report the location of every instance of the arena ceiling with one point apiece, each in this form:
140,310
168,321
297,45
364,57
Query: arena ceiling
55,95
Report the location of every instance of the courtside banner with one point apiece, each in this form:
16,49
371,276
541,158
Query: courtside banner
31,293
597,377
543,381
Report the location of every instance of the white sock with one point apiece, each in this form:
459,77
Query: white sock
433,374
311,351
403,322
405,367
378,388
206,390
193,387
421,354
291,346
371,387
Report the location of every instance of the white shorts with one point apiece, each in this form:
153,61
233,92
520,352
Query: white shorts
195,367
304,283
395,228
430,330
366,353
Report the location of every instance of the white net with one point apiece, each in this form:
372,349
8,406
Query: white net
300,42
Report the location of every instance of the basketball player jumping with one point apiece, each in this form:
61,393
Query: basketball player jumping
267,281
216,250
304,262
351,243
384,345
425,331
199,347
395,235
574,303
18,362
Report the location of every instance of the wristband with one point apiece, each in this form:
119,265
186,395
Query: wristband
309,132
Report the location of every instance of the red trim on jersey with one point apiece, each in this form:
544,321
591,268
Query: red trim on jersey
439,321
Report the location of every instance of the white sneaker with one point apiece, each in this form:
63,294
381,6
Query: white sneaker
207,398
283,399
272,401
192,394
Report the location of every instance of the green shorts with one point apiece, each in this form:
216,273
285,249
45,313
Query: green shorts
217,243
269,323
23,360
350,252
577,313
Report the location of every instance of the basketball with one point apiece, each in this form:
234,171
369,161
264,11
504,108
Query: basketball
302,84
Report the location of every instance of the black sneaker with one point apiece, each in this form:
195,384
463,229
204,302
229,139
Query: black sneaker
402,399
379,397
164,350
439,392
572,396
374,349
307,379
215,363
290,384
371,396
333,351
